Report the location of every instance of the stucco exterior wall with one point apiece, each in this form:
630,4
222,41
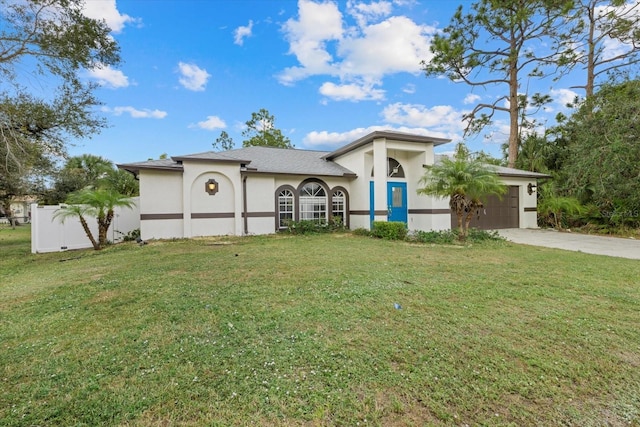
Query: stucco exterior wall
360,162
160,204
212,214
260,204
160,192
528,216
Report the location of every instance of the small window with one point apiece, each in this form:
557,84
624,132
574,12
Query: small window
396,197
285,208
394,169
338,205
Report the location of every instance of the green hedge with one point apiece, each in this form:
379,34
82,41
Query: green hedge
389,230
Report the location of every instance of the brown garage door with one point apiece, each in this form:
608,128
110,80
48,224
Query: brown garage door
497,213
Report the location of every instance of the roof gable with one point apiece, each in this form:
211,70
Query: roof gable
386,134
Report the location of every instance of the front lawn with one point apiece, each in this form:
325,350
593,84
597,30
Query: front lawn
317,330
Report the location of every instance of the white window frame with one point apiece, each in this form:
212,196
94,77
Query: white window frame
286,207
339,205
313,203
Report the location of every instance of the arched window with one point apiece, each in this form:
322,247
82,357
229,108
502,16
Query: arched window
339,206
285,207
313,203
394,168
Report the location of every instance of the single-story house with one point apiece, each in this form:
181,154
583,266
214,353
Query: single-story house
259,190
20,210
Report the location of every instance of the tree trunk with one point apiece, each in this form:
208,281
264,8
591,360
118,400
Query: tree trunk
456,204
85,226
591,50
8,213
467,222
103,226
514,108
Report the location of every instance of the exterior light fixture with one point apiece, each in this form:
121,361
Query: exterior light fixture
211,187
531,188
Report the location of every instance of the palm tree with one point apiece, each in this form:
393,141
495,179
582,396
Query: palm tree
96,203
465,181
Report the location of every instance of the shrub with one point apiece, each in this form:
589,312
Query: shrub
443,236
305,227
336,224
389,230
451,236
130,236
361,232
315,227
476,235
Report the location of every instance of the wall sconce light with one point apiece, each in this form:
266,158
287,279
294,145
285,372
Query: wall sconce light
211,187
531,188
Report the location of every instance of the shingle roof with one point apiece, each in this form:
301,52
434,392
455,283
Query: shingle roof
289,161
163,164
505,171
256,160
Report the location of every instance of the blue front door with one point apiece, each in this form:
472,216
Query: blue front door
397,201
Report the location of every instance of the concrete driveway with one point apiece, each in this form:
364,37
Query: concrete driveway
599,245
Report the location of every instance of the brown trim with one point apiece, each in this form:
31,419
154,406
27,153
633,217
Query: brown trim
147,217
429,211
533,209
214,215
258,214
379,213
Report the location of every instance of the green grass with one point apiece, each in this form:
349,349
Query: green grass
302,330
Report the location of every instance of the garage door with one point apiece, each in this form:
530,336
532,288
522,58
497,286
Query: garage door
497,213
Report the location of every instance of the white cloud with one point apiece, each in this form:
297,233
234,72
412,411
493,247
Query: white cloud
392,46
364,12
212,123
351,92
440,118
334,139
409,88
241,33
612,48
108,11
318,23
471,98
563,96
324,44
629,10
109,77
135,113
193,77
326,139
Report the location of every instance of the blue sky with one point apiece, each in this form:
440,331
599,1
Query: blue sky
329,71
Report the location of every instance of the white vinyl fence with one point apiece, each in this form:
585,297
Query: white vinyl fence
49,234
